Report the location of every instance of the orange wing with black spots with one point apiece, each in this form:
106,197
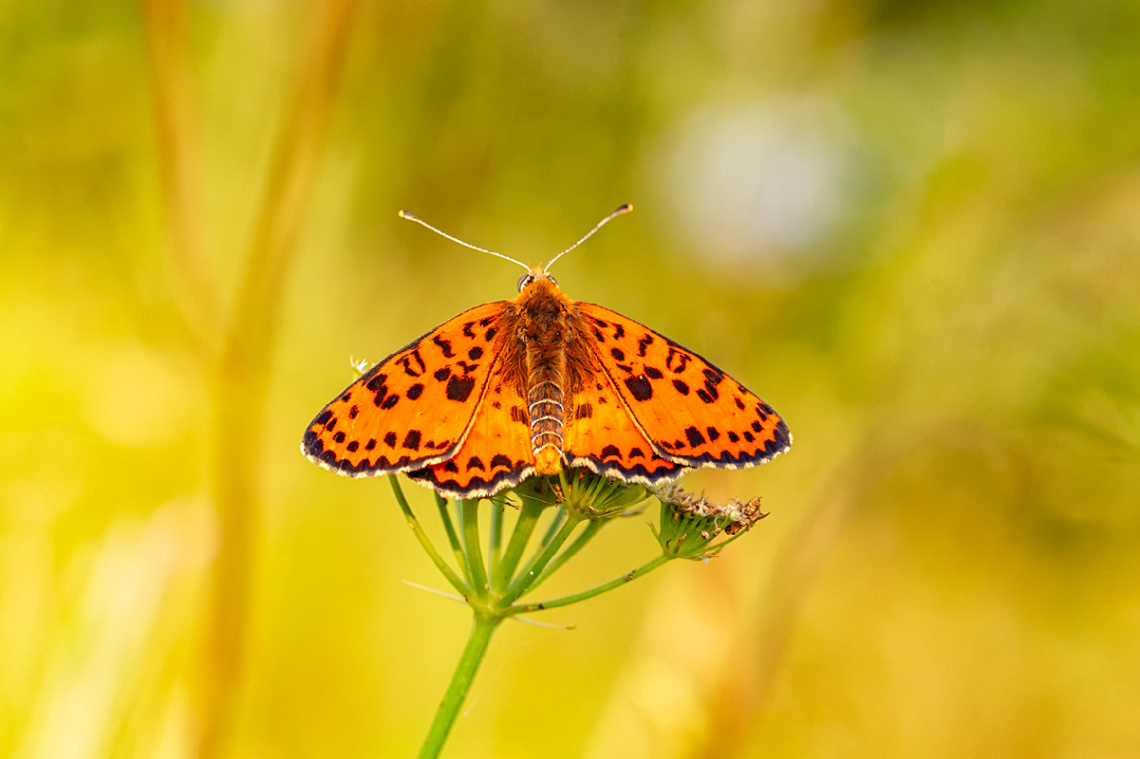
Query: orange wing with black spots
496,453
691,412
600,434
416,407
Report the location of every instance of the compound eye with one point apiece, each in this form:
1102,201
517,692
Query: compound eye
525,280
553,281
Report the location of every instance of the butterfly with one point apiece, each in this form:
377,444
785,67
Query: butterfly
537,385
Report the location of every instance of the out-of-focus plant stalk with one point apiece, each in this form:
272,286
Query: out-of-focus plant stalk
167,28
248,344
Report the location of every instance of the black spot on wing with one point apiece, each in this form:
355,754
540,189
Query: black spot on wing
459,388
444,346
677,360
639,388
694,437
413,363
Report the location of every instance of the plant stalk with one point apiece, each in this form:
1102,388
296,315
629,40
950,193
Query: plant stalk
476,648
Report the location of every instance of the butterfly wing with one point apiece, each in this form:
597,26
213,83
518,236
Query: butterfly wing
598,434
691,412
496,453
415,408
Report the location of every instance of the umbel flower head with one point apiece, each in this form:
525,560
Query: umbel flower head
690,523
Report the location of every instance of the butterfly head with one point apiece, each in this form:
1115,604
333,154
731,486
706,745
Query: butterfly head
535,274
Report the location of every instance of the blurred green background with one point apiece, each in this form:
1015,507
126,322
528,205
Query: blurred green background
913,228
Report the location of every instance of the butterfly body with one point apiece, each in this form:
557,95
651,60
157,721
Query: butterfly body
542,360
537,384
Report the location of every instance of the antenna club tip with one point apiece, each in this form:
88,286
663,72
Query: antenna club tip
625,208
408,215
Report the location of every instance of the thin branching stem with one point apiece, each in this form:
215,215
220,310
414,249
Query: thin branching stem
574,598
524,579
556,522
425,543
453,538
473,549
495,538
520,537
585,536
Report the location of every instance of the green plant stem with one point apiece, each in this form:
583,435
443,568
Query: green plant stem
424,541
584,537
524,527
555,525
554,603
481,631
453,538
473,549
525,579
495,539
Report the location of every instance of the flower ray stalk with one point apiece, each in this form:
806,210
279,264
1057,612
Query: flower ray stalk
597,590
524,528
495,540
584,537
525,579
421,537
452,537
473,550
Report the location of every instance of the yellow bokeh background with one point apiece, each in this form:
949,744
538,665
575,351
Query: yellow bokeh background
913,228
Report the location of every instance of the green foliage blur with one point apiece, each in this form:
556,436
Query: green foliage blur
913,228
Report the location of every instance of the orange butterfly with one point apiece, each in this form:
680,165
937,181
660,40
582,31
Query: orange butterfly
536,384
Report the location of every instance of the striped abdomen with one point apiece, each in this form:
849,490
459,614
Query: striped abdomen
544,402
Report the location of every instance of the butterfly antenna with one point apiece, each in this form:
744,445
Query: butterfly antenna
412,217
622,209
